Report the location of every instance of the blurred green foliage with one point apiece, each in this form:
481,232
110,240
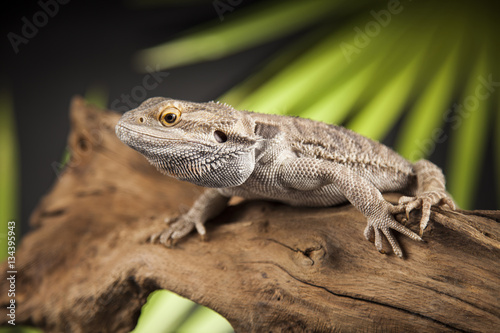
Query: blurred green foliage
168,312
9,170
9,183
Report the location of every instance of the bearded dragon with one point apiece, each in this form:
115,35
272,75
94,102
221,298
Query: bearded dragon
296,161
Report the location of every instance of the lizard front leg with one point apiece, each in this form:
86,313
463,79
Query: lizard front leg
308,174
208,205
430,192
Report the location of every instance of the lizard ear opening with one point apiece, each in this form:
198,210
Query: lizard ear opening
220,136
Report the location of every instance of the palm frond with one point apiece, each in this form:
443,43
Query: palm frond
247,28
378,116
469,137
423,124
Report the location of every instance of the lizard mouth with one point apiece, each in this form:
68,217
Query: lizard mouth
121,132
135,138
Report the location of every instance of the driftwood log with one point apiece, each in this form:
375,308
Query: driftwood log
86,265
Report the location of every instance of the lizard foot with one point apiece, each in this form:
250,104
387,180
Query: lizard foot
179,227
380,226
425,201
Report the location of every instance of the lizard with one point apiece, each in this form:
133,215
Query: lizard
296,161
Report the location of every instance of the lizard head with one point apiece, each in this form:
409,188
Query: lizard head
208,144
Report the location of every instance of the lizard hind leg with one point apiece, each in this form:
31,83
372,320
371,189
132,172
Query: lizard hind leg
359,191
430,192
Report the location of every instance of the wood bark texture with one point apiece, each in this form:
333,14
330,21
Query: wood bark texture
86,265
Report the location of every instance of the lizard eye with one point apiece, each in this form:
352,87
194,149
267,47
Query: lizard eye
170,116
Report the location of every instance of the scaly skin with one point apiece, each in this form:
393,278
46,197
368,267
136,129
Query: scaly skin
292,160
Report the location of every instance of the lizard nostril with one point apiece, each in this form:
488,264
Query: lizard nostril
141,120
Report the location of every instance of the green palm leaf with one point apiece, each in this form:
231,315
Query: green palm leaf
385,108
424,121
251,27
469,139
168,312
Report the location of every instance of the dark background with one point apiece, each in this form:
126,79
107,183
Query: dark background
89,43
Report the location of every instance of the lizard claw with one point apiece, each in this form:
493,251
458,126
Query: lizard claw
448,202
425,201
381,226
179,228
